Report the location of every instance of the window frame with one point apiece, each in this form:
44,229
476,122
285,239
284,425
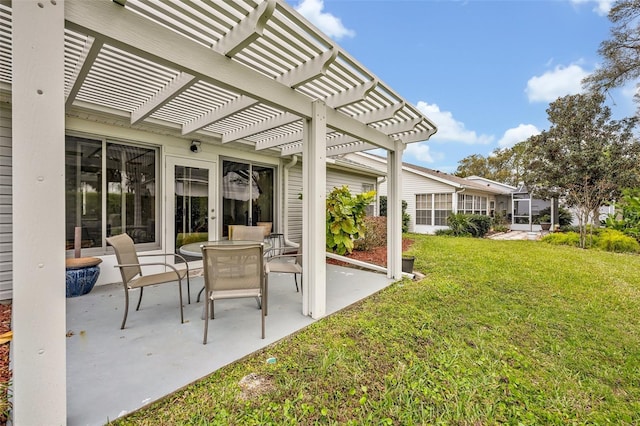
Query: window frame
105,141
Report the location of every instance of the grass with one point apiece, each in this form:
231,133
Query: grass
513,332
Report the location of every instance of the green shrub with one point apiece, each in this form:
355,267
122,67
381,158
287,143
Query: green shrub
501,228
617,241
564,215
345,214
445,232
375,233
468,225
563,238
460,225
627,215
482,225
406,218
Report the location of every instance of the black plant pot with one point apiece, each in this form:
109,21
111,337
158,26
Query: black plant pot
407,264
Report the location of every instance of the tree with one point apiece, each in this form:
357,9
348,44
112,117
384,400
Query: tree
585,158
504,165
621,53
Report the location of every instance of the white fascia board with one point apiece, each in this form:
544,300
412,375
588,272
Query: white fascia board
433,177
125,30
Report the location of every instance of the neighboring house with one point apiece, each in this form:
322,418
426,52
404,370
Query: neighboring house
119,116
432,195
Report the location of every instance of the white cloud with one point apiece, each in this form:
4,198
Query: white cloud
449,129
602,7
556,83
326,22
517,134
420,151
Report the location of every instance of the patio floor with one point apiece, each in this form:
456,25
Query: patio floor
111,372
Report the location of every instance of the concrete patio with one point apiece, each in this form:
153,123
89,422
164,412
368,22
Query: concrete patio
112,372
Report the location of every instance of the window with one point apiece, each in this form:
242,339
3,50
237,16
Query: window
472,204
423,209
370,209
110,189
442,204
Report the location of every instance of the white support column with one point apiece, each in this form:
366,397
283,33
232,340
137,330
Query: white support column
394,211
39,304
314,196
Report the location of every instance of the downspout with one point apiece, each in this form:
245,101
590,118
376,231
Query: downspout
378,183
285,216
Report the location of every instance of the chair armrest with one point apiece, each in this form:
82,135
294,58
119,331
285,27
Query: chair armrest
124,265
179,256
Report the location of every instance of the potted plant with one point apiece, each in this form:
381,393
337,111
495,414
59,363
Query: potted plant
545,222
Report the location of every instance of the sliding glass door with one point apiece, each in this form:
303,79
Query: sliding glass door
247,194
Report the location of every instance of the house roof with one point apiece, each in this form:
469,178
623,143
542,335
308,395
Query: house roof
238,71
439,176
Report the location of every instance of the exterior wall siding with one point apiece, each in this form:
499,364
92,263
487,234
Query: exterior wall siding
6,220
335,178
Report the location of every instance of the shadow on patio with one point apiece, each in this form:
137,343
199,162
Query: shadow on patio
111,372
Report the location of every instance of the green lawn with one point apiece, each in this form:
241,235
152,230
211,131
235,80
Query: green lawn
516,332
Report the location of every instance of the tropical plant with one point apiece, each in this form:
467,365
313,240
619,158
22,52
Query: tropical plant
461,225
345,218
627,216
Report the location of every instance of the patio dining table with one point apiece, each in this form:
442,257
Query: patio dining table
193,249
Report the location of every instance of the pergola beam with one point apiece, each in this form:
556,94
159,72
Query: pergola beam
247,31
237,105
351,96
262,126
178,85
309,70
122,28
87,58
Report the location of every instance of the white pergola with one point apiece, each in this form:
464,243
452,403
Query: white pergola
245,72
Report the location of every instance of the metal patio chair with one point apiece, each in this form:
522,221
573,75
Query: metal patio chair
131,271
232,272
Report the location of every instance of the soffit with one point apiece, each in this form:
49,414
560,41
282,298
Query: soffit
284,58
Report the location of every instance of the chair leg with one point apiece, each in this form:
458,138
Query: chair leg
181,309
295,278
258,302
199,294
126,307
188,289
140,298
263,313
206,322
265,294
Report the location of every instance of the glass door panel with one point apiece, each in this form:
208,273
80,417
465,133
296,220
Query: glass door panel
191,205
190,202
247,194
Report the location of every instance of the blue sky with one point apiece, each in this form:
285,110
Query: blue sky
484,71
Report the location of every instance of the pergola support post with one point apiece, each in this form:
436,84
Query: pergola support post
39,304
394,211
314,239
